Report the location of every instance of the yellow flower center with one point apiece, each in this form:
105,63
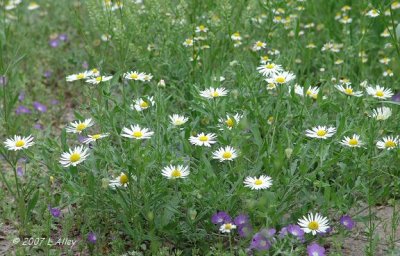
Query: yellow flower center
270,66
75,157
227,155
188,41
215,94
137,134
258,182
203,138
99,79
379,93
80,76
176,173
259,44
144,104
81,127
236,34
353,142
228,226
348,91
134,76
265,58
96,136
229,122
19,143
278,18
321,133
95,70
313,225
280,79
380,117
123,179
390,144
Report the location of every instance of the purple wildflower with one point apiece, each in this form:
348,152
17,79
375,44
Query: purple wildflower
38,126
22,110
221,218
39,107
47,74
54,102
63,37
21,96
245,230
54,43
396,97
283,232
85,65
92,238
315,249
241,220
20,171
296,231
55,212
347,222
3,80
260,242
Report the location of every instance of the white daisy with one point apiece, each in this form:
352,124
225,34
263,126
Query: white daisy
388,143
135,132
188,42
203,139
201,28
214,92
379,92
281,78
175,172
79,126
19,142
95,137
230,121
236,36
227,227
372,13
79,76
381,114
311,92
270,69
314,224
121,181
140,104
134,75
321,132
263,182
259,45
178,120
74,157
99,79
348,90
225,154
353,142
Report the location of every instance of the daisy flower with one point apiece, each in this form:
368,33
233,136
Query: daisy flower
99,79
141,104
321,132
134,75
348,90
33,6
388,142
188,42
121,181
353,142
314,224
259,45
178,120
201,28
263,182
264,59
79,126
372,13
270,69
311,92
227,227
79,76
175,172
381,114
95,137
379,92
203,139
214,92
236,36
74,157
230,121
135,132
281,78
225,154
147,77
19,142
